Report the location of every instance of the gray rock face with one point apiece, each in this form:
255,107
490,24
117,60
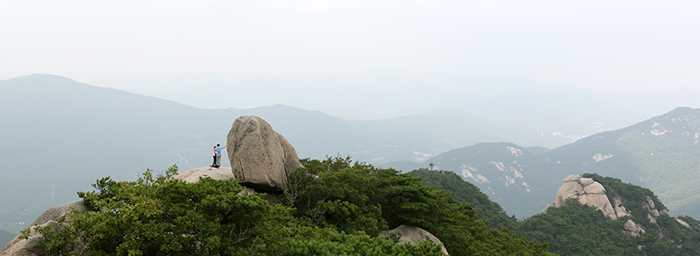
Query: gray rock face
193,176
413,235
30,247
260,157
620,210
632,229
590,192
586,191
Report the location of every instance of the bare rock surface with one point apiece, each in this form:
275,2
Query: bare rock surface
260,157
632,229
413,235
586,191
193,176
30,247
620,209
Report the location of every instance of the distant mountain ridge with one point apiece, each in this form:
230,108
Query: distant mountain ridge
60,135
661,153
541,107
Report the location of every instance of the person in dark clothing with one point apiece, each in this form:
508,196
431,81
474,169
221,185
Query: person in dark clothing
213,164
217,150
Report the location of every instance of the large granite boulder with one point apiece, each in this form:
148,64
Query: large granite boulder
260,157
413,235
30,247
586,191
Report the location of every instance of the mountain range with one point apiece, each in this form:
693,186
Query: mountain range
60,135
661,153
541,107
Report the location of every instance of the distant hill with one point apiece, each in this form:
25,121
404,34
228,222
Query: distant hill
507,173
466,192
661,153
440,130
59,136
540,107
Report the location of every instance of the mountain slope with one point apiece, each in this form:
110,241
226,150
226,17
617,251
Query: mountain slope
661,153
523,103
441,130
643,226
507,173
58,136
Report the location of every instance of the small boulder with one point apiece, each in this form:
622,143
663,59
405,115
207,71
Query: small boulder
30,247
585,181
632,229
572,178
260,157
413,235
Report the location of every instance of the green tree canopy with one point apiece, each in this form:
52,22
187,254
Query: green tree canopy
330,207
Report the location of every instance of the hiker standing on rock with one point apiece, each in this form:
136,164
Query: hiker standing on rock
217,151
214,162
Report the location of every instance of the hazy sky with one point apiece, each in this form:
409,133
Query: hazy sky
618,45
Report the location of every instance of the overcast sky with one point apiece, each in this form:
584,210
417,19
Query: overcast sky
614,45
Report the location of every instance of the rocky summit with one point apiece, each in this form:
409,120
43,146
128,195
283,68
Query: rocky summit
590,192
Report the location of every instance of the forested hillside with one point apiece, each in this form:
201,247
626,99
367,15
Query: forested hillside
575,229
466,192
662,154
329,207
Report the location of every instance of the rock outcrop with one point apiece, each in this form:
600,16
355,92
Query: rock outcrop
193,176
260,157
413,235
30,247
632,229
221,173
586,191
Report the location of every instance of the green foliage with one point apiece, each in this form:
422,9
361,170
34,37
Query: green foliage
633,196
575,229
159,216
335,193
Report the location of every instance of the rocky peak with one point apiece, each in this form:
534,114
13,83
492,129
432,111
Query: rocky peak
586,191
590,192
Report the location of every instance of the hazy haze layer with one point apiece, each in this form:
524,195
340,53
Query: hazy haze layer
620,45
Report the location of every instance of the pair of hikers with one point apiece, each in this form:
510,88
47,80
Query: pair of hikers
217,156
